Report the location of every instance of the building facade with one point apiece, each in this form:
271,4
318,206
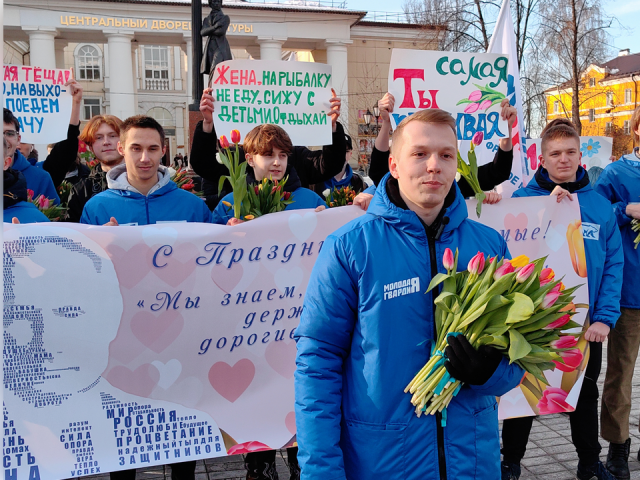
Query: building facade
608,96
134,56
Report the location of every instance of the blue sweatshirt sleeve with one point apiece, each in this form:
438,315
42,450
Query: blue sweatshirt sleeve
220,214
606,308
605,186
323,340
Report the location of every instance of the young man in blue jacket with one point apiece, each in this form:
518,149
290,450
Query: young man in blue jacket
358,348
16,208
562,175
620,184
37,179
140,190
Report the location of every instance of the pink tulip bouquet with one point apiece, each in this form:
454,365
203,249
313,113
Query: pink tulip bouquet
47,207
515,306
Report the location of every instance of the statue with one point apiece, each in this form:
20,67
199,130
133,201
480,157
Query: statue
217,49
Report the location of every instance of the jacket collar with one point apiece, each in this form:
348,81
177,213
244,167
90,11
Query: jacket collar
344,182
117,180
543,181
382,205
15,188
19,162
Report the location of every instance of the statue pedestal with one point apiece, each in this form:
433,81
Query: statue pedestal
194,117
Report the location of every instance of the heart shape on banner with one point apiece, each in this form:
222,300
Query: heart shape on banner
281,356
139,382
288,278
303,226
290,422
131,265
555,237
513,223
153,236
227,278
178,266
157,332
169,372
232,382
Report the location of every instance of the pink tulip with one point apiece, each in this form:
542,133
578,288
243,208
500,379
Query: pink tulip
477,138
566,341
476,264
546,275
235,136
549,299
43,202
505,269
486,104
561,322
29,194
572,358
525,272
471,108
557,288
224,143
475,95
447,259
554,400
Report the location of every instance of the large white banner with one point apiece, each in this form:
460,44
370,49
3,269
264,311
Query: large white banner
137,346
293,95
39,100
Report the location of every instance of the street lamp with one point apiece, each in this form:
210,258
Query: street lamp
376,113
367,120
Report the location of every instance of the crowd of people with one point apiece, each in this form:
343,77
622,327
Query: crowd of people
356,349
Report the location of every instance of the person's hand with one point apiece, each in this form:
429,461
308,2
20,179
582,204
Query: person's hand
597,332
509,113
491,198
363,200
75,89
633,211
320,208
612,158
234,221
15,221
561,193
111,223
465,363
334,113
385,104
206,108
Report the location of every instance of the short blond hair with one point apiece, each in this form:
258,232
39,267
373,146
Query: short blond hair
434,115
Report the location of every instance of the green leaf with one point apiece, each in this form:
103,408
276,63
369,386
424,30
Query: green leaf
521,309
480,197
437,280
445,299
464,100
518,346
494,340
496,302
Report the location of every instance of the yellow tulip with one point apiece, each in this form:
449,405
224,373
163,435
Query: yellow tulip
519,261
226,203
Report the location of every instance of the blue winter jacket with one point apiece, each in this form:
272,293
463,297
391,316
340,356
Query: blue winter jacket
26,212
603,250
359,347
165,202
38,179
620,184
302,198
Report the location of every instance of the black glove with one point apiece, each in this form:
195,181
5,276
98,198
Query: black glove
469,365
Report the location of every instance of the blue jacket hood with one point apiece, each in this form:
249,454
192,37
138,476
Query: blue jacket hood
38,179
345,182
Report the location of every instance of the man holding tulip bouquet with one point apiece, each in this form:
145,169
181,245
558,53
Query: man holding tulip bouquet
599,255
367,325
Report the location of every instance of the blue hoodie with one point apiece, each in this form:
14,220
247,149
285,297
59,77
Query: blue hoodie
620,184
165,202
38,180
604,253
26,212
358,348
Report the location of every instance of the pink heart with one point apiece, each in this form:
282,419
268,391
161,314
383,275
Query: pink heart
131,265
179,265
281,356
231,382
290,422
157,332
140,382
514,223
227,278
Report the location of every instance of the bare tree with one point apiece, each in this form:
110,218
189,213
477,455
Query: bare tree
573,35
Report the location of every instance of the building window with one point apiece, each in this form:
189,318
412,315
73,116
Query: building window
156,68
90,108
89,63
609,99
607,128
592,115
163,116
556,107
627,127
592,82
627,95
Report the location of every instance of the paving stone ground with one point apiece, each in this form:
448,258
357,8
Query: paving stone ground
550,453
